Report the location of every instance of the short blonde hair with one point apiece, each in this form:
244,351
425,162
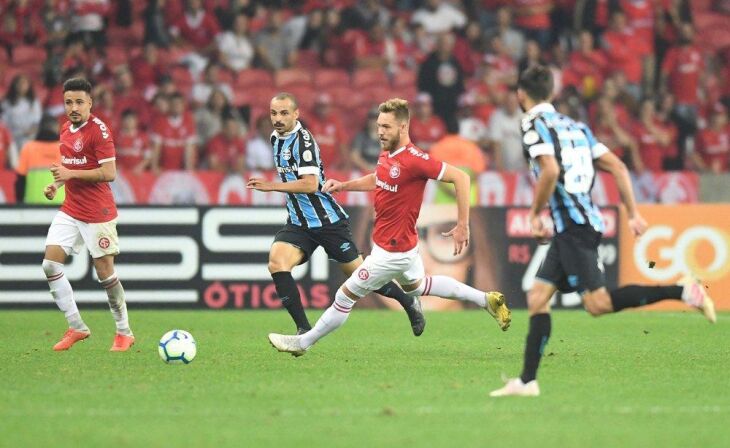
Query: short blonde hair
287,96
397,107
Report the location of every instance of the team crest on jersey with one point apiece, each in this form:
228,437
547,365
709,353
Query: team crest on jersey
394,171
286,153
363,274
78,145
104,242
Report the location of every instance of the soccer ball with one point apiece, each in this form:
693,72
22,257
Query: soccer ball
177,346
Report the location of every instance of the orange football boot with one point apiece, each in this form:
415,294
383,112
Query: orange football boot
70,337
122,343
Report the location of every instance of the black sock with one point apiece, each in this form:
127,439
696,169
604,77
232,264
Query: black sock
631,296
288,292
537,337
393,291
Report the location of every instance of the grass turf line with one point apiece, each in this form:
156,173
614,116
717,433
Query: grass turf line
632,379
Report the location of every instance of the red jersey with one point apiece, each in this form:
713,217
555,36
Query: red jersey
427,132
640,15
227,151
86,148
400,178
330,134
651,151
622,50
173,134
714,146
5,141
131,150
533,20
684,65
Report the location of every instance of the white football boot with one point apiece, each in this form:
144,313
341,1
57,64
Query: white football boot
287,343
695,295
516,388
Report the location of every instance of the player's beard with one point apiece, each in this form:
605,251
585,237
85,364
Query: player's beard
390,145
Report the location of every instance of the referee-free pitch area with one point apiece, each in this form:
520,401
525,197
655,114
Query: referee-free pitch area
631,379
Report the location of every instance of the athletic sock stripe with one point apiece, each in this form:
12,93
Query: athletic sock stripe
341,308
54,277
112,284
427,289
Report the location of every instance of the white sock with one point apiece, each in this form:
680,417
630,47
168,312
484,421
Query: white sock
63,294
117,304
332,319
448,288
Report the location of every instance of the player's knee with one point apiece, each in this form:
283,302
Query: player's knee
413,290
51,268
597,304
276,265
537,302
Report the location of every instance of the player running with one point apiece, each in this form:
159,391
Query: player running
399,180
315,218
87,217
562,154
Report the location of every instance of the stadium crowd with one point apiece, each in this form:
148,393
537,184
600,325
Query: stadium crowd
185,84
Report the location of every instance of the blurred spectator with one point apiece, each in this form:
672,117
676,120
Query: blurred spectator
366,147
329,133
88,21
134,152
377,50
657,140
234,47
211,81
56,16
36,157
442,77
126,96
174,139
259,155
438,16
209,118
499,61
226,151
532,17
712,151
196,27
425,127
640,18
469,49
8,150
623,50
21,110
608,130
9,33
155,24
513,40
586,67
461,153
533,56
147,69
272,44
470,127
30,27
505,135
366,14
105,108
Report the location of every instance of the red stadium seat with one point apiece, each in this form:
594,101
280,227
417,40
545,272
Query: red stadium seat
182,78
369,77
116,55
307,60
405,78
292,77
254,77
329,77
28,55
305,95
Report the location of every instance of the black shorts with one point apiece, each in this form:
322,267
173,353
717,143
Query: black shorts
336,239
572,262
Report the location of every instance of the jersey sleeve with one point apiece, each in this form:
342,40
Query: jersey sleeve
536,139
597,148
428,167
308,162
104,144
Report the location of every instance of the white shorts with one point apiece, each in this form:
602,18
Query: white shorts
381,267
71,234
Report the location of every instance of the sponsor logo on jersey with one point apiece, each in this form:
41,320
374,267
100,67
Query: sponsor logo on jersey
307,138
286,153
386,186
287,169
102,127
78,145
73,160
104,242
363,274
394,171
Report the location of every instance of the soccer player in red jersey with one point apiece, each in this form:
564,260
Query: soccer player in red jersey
88,215
399,181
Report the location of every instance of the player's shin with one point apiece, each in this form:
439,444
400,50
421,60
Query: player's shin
632,296
331,319
448,288
393,291
537,338
117,303
63,294
287,290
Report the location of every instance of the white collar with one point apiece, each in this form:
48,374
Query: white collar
542,107
297,127
73,131
397,151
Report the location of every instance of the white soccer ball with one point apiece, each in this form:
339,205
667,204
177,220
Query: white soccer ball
177,347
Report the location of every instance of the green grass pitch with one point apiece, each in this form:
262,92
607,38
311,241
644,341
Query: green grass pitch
644,379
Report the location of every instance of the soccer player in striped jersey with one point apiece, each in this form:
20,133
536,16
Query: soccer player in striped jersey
315,218
563,155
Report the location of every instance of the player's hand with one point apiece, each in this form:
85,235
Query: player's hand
60,173
50,191
256,183
539,231
332,186
638,225
460,233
